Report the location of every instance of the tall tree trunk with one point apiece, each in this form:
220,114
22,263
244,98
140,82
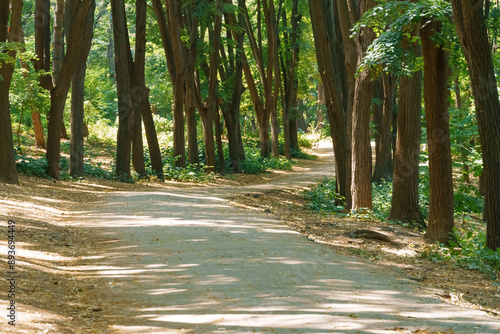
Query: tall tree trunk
361,184
42,41
465,144
231,109
289,65
191,125
404,205
139,91
220,148
383,160
77,99
59,93
326,29
111,52
152,138
472,33
8,172
440,225
269,72
273,75
58,53
174,14
122,65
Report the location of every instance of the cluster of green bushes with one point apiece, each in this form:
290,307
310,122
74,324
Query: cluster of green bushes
103,136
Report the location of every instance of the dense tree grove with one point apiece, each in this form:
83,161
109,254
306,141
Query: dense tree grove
419,78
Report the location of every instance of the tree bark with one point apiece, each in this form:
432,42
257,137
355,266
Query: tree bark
290,64
331,66
191,125
440,224
42,41
405,205
383,160
361,184
231,109
269,73
8,172
58,53
125,112
174,14
139,91
220,148
59,93
473,37
77,99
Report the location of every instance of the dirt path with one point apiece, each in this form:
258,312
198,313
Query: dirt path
160,259
186,261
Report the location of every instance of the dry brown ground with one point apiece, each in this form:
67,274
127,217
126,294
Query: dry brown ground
55,296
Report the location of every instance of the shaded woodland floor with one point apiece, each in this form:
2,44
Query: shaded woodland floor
57,295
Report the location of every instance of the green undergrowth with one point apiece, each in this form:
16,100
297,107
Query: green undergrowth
101,145
468,243
468,250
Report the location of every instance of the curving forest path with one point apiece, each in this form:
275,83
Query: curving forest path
183,260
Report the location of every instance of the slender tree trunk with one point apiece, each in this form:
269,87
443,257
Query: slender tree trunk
35,114
42,41
139,91
473,37
275,129
152,138
383,162
269,72
289,65
465,143
38,129
77,99
122,65
8,172
111,52
58,53
59,93
191,125
405,206
361,184
231,109
325,23
174,14
137,145
220,148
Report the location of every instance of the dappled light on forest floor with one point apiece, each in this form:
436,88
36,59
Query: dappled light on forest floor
180,262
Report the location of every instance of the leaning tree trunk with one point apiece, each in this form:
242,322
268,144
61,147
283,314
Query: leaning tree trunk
8,172
405,205
440,224
472,33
